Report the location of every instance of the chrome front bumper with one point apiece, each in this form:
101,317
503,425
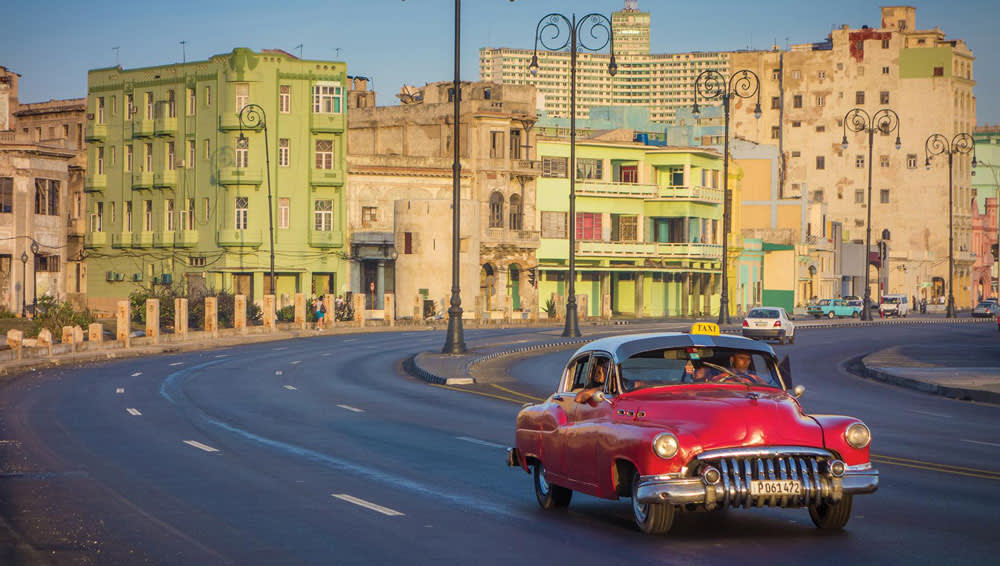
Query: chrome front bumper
687,490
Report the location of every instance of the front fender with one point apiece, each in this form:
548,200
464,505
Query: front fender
834,427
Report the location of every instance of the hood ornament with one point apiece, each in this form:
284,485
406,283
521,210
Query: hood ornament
753,395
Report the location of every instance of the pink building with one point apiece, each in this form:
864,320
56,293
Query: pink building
984,236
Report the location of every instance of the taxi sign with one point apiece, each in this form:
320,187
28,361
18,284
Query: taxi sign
709,328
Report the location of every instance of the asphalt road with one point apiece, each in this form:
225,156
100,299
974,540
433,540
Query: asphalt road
321,451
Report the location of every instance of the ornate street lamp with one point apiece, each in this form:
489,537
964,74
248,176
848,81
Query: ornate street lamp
34,278
24,285
937,144
565,32
884,121
252,117
712,85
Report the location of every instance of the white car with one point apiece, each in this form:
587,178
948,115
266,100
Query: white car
769,323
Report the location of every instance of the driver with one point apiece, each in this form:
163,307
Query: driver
596,383
740,364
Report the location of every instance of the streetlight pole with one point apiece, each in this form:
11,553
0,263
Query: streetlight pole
252,117
712,85
884,121
938,144
565,32
34,278
24,284
454,341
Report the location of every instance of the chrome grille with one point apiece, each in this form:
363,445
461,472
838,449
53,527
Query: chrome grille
738,471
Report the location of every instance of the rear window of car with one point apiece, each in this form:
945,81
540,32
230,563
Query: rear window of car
763,313
675,366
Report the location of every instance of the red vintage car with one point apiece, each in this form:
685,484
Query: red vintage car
689,422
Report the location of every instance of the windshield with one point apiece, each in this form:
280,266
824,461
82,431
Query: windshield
891,300
824,302
675,366
763,313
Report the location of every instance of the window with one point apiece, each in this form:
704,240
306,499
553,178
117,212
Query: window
588,168
820,162
168,214
196,261
496,145
208,148
97,217
820,128
77,205
775,74
515,212
326,98
628,174
369,216
883,97
821,75
553,224
775,132
190,154
324,154
100,160
407,242
624,228
283,210
938,71
859,196
861,71
284,99
554,167
113,155
796,153
284,146
65,131
323,215
885,44
515,144
149,105
192,101
496,210
208,95
859,97
797,101
171,156
6,195
588,225
207,207
859,161
100,109
171,104
883,161
147,215
242,95
885,70
820,100
242,212
796,74
911,161
47,197
129,106
47,262
817,196
796,124
243,154
149,157
775,102
187,214
127,220
883,196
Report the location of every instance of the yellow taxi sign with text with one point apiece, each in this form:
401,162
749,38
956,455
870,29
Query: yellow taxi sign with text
709,328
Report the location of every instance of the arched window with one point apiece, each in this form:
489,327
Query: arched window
515,212
496,210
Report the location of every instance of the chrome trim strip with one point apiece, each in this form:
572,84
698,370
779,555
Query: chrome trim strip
859,467
772,451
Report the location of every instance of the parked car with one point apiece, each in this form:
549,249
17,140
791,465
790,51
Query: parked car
689,421
769,322
986,309
894,305
833,308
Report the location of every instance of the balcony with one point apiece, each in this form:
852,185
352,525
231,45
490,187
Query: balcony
142,128
95,132
185,238
326,177
163,239
616,249
95,183
142,239
240,238
121,240
142,181
621,190
165,126
165,179
689,250
229,121
326,123
526,167
820,243
95,239
325,239
231,176
704,194
520,238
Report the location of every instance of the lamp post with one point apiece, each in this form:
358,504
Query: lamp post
252,117
713,85
565,32
884,121
938,144
34,278
24,284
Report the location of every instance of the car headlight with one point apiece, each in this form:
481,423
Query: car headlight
857,435
665,445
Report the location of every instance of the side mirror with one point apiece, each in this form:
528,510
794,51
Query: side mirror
785,367
599,397
798,391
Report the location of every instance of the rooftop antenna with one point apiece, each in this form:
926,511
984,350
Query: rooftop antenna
337,49
116,49
184,51
299,47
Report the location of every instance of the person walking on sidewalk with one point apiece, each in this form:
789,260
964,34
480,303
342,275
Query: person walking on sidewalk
320,313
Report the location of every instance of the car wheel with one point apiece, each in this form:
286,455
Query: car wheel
549,496
830,314
831,516
791,339
651,518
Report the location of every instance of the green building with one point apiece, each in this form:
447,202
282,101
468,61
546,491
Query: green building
175,197
648,225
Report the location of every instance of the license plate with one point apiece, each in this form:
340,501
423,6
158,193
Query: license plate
761,325
775,487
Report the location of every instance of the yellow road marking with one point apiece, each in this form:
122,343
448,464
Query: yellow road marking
525,395
480,393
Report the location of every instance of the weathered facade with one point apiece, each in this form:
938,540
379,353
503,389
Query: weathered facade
400,194
986,185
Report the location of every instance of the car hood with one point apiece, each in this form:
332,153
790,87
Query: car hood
722,416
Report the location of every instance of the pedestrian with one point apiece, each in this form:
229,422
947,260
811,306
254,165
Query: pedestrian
320,313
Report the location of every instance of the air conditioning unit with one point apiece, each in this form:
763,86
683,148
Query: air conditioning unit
119,276
179,164
167,278
136,277
156,280
109,276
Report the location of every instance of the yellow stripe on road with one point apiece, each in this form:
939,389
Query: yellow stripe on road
933,467
525,395
480,393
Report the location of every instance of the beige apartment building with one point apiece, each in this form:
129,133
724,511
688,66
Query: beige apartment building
399,196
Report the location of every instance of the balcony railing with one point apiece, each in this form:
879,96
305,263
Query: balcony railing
185,238
163,239
325,238
95,132
142,128
326,177
95,183
326,123
240,176
142,239
526,167
706,194
609,189
121,240
142,181
240,238
95,239
819,242
165,126
689,250
523,238
166,178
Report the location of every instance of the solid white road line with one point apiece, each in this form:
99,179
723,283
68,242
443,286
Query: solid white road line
291,388
200,446
177,364
134,412
980,442
928,413
120,390
296,362
352,409
222,355
368,505
137,374
480,442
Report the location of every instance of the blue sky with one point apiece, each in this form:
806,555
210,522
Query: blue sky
52,43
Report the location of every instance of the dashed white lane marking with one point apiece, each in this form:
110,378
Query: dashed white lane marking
222,355
928,413
326,354
134,412
278,372
177,364
368,505
200,446
10,442
291,388
480,442
981,442
280,349
351,409
296,362
137,374
120,390
351,340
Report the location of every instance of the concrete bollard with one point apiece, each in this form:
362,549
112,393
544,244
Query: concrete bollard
15,340
582,306
269,313
45,340
418,308
123,319
77,337
95,334
389,300
560,307
330,318
67,335
240,313
300,311
606,306
181,318
212,316
153,320
359,309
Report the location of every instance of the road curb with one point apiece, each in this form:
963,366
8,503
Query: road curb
858,367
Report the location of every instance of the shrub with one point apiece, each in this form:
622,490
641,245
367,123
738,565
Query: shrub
550,308
54,315
286,314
